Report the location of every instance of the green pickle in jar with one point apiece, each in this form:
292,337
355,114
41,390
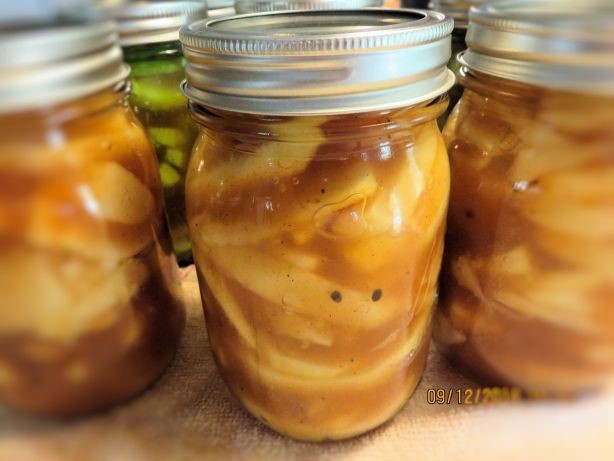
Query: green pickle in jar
149,37
90,304
317,224
528,279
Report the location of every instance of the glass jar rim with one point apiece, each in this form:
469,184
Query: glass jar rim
244,124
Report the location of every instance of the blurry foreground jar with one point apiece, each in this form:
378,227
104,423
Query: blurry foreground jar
149,35
317,195
89,302
528,284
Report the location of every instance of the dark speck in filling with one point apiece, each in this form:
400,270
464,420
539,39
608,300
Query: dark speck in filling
335,296
377,295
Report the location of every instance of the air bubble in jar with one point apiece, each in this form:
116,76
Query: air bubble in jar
285,163
290,300
521,186
342,219
410,355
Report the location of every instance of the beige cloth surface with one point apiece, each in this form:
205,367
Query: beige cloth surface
189,415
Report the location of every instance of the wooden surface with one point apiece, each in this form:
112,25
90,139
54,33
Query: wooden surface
189,415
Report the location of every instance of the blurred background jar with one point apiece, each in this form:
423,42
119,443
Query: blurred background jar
149,36
459,11
317,194
528,281
260,6
89,303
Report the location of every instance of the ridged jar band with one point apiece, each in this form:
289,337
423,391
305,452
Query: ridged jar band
53,64
558,44
258,6
294,71
153,22
557,76
455,9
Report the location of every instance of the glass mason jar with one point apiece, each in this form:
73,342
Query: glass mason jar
89,293
317,222
528,280
149,36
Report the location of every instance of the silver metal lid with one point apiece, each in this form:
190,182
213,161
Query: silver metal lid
455,9
318,62
258,6
43,65
559,44
141,23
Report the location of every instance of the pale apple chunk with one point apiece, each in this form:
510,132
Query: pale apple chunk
559,298
115,212
491,135
584,221
231,308
281,157
595,116
391,210
302,291
547,152
359,185
291,373
585,253
117,195
415,206
61,298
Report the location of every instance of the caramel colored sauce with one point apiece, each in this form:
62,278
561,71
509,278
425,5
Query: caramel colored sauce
318,243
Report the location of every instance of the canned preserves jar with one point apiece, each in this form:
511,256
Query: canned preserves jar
90,311
317,194
149,36
528,282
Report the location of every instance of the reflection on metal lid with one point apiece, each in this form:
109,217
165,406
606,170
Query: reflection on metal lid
318,62
455,9
561,44
259,6
153,22
44,64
